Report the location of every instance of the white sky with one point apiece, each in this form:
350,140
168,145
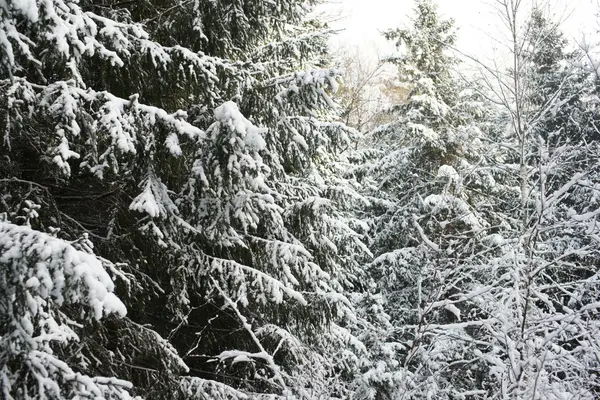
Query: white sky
478,25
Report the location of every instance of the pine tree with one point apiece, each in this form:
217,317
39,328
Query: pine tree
426,67
432,210
194,144
50,288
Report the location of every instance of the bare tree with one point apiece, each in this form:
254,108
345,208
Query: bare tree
368,88
545,282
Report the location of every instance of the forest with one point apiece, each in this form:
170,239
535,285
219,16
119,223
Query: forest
197,202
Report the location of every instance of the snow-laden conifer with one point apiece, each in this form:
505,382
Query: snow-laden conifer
194,143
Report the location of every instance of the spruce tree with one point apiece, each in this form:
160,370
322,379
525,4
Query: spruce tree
193,144
432,210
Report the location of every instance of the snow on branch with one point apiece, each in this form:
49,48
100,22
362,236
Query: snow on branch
241,277
262,352
52,270
154,199
75,33
201,389
424,237
39,275
126,124
316,81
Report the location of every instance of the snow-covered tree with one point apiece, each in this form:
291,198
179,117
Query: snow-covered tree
194,143
428,209
481,249
52,290
542,283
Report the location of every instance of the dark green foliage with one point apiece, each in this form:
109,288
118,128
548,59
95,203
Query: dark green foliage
191,143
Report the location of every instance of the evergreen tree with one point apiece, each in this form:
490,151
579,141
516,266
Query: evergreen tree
556,73
426,118
193,143
432,211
